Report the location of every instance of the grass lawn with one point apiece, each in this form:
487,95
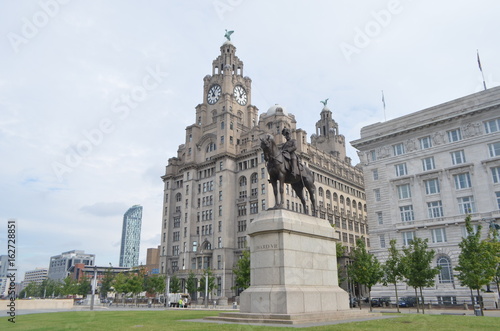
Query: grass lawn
171,320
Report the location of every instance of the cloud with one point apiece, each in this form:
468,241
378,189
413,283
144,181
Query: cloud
105,209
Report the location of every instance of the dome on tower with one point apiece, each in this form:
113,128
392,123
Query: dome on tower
276,109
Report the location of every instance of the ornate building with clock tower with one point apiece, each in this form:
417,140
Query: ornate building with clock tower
218,183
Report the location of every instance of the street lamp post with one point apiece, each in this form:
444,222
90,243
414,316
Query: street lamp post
94,283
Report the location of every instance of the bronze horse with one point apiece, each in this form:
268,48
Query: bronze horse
277,172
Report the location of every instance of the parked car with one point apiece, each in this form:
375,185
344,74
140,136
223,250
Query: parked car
407,302
380,302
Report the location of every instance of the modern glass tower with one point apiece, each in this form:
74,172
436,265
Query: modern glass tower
131,237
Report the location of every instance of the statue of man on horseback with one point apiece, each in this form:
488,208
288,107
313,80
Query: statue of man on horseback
288,150
283,166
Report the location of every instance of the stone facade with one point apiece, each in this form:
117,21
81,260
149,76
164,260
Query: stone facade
423,173
217,184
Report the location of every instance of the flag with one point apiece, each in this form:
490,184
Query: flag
383,100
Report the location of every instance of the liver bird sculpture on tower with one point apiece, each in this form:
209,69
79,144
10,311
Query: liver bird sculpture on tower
228,34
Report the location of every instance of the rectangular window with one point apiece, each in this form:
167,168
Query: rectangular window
382,240
439,235
432,186
398,149
375,174
492,126
457,157
254,207
176,236
466,205
435,209
494,149
462,181
475,228
428,163
373,155
425,142
454,135
376,193
401,169
495,172
380,217
498,199
406,213
408,237
404,191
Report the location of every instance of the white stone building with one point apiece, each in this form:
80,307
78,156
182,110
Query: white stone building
423,173
218,182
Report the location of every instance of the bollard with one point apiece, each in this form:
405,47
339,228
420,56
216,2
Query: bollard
466,307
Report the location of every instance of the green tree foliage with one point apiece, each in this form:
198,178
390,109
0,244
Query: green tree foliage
175,284
31,290
211,282
84,286
393,269
49,288
106,283
341,269
477,262
191,284
365,268
154,284
121,285
135,284
69,286
242,271
418,270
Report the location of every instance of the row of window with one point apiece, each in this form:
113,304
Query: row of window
452,135
457,157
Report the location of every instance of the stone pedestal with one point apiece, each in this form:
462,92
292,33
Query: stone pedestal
293,270
293,266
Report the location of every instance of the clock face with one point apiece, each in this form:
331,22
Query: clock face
214,94
240,95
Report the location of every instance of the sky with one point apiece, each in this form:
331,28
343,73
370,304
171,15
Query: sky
95,95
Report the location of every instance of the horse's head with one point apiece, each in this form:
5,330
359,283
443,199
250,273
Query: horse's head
267,143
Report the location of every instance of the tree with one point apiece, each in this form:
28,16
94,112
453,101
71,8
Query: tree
393,269
341,251
121,285
135,284
69,286
154,284
175,284
31,290
477,262
417,270
84,287
211,283
242,271
191,284
365,268
106,283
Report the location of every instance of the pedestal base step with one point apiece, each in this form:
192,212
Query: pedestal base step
292,318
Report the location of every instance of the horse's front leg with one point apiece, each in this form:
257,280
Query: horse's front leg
282,189
275,191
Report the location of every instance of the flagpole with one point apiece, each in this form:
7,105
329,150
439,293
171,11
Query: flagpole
480,68
383,102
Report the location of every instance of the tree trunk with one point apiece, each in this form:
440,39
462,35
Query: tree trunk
418,301
423,303
480,300
471,298
397,299
370,298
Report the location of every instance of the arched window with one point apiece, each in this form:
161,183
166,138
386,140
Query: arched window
335,197
328,194
178,197
254,178
360,206
342,199
320,191
222,125
445,274
348,202
354,204
243,181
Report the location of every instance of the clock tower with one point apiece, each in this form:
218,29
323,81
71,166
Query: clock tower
226,110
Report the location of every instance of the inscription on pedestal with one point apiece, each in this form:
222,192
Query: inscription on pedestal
266,246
